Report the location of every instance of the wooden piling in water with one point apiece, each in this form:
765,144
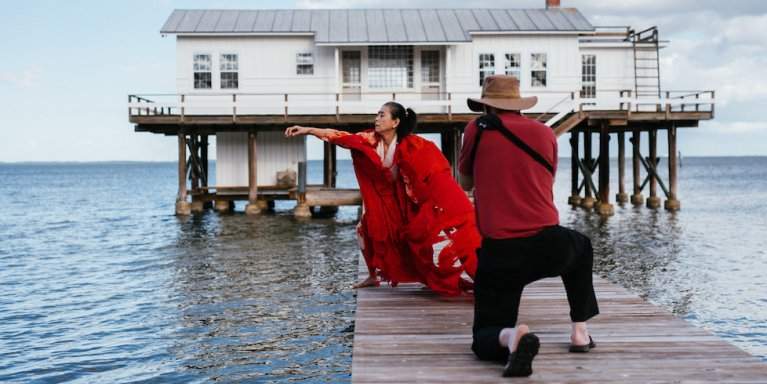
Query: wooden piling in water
450,142
636,198
302,209
575,198
604,208
653,201
253,207
183,207
672,202
329,165
206,166
621,197
588,200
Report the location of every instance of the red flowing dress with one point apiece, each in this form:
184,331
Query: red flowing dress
403,217
382,219
437,211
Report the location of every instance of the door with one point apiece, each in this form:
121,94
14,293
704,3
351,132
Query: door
430,75
351,75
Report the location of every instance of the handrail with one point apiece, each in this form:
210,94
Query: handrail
689,93
571,96
613,29
637,37
238,104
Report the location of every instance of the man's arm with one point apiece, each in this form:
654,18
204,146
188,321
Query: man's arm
465,162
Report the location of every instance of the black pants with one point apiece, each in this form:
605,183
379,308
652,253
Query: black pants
506,266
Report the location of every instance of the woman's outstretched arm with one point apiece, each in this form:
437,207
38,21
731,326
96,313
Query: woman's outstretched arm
320,133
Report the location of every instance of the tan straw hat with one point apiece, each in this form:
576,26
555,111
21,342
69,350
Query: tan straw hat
502,92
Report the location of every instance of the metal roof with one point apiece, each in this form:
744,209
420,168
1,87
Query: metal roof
342,26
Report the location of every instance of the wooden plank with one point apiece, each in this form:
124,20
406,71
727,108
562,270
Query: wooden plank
333,197
407,335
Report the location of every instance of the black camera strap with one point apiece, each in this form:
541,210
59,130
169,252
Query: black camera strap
493,123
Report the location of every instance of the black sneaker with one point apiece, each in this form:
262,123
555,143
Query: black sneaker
521,361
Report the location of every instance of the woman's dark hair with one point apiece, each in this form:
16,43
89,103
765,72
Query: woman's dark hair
407,118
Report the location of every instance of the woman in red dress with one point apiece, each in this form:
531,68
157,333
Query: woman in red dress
405,213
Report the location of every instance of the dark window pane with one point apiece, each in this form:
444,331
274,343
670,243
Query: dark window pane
305,69
229,80
202,80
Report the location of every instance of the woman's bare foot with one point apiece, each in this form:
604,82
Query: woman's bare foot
371,281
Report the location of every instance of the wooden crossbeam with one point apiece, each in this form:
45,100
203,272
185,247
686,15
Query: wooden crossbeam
195,161
592,166
587,173
648,176
652,173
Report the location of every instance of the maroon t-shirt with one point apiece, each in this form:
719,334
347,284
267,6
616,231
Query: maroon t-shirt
513,193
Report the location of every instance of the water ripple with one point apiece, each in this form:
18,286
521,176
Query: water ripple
100,285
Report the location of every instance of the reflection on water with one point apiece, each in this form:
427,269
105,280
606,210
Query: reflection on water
706,263
264,295
101,283
114,288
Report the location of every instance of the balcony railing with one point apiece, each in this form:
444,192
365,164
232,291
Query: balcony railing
294,104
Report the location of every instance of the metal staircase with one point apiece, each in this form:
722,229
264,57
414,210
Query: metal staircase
646,62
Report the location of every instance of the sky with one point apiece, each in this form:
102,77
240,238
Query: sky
67,67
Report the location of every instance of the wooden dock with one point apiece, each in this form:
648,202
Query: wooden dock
409,335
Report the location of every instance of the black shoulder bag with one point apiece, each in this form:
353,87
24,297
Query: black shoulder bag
490,122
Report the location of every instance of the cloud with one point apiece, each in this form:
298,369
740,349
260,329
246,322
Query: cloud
736,127
24,78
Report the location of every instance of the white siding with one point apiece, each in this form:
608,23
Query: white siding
563,66
273,153
266,65
615,69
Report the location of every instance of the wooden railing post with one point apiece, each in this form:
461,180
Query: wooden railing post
286,107
183,107
234,107
450,106
697,101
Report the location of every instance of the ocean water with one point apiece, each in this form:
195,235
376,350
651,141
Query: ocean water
101,282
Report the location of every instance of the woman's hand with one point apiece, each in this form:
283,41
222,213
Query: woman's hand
296,130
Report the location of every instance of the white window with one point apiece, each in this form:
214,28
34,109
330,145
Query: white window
390,66
229,67
588,76
430,66
202,71
304,63
486,66
513,64
351,67
538,70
